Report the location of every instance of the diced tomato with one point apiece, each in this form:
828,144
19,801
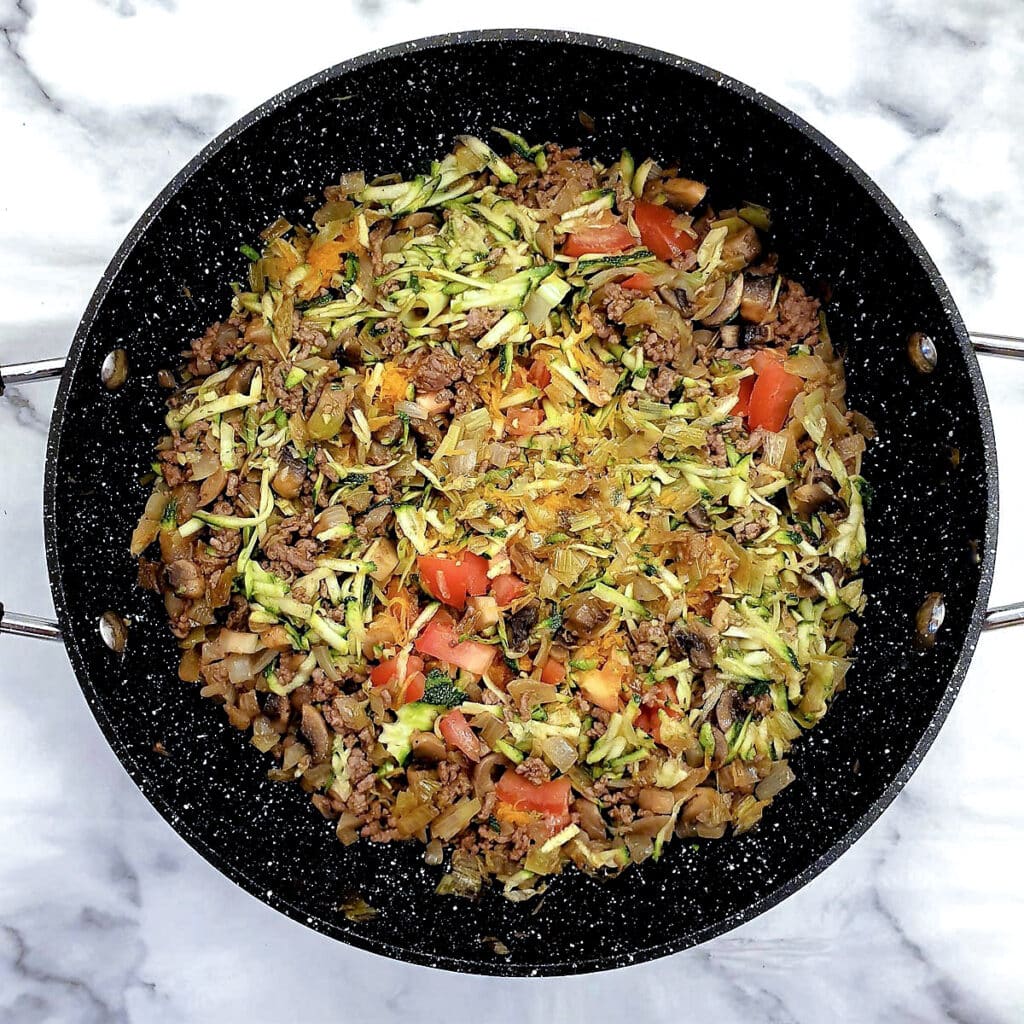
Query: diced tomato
604,239
439,640
639,282
547,798
457,733
413,689
475,567
742,406
539,375
649,718
553,672
771,397
658,232
523,422
601,686
387,671
766,357
444,579
451,579
507,589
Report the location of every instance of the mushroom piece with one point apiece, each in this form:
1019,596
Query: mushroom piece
741,247
240,379
278,709
484,772
699,519
428,747
582,615
519,628
695,641
288,480
816,497
314,728
590,818
756,302
724,713
729,304
185,579
684,193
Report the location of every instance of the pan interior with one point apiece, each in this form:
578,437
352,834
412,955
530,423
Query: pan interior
927,525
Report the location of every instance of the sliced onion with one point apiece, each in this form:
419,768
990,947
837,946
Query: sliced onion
462,465
456,818
144,534
500,455
775,781
323,659
411,409
560,752
206,465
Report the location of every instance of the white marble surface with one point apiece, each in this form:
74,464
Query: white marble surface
105,915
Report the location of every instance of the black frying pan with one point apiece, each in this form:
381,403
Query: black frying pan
932,527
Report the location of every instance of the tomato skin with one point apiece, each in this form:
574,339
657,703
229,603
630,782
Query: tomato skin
539,375
605,239
413,690
649,718
766,357
771,397
601,686
639,282
458,734
439,640
444,579
507,589
742,406
450,580
387,671
658,233
547,798
553,672
475,567
523,422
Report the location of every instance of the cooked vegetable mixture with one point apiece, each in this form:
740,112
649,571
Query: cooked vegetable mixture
516,509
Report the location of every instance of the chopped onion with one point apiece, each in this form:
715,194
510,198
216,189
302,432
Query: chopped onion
500,455
560,752
411,409
462,465
775,781
323,659
456,818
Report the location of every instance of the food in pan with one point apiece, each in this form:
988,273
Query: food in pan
516,509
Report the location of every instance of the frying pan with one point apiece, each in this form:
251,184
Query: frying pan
932,526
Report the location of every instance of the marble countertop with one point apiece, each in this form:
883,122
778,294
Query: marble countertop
105,914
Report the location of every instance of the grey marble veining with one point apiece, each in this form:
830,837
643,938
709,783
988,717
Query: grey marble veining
105,915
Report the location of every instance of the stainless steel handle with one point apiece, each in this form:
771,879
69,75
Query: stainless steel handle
29,625
26,373
998,345
1005,345
11,622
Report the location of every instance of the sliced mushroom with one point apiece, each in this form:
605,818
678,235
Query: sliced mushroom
724,713
815,497
185,579
519,628
211,487
741,247
582,615
684,193
757,334
428,747
729,304
695,641
241,378
484,773
314,728
757,299
699,519
288,480
278,709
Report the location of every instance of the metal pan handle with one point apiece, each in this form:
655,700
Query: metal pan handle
45,369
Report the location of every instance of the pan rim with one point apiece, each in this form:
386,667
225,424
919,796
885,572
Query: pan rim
137,769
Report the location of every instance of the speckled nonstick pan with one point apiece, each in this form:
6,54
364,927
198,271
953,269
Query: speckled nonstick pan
932,527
